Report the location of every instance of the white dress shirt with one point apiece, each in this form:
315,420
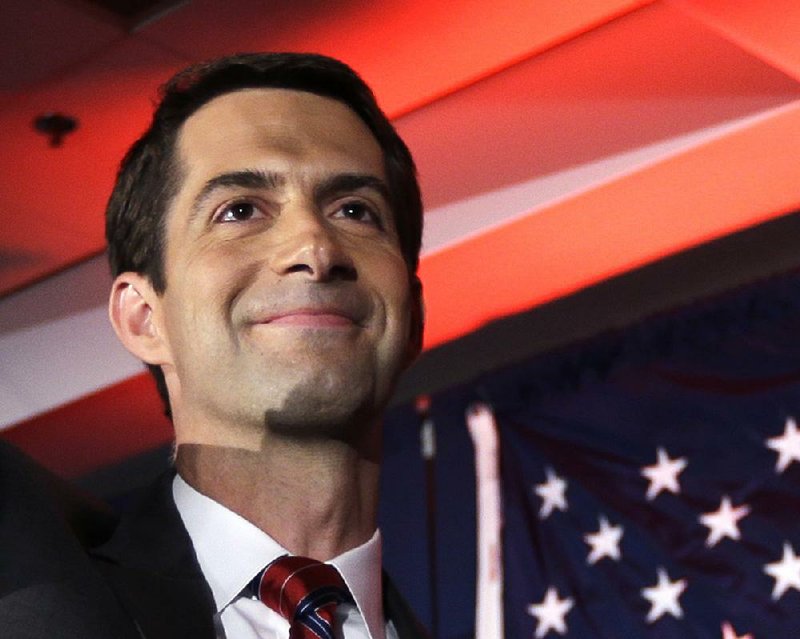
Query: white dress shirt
231,551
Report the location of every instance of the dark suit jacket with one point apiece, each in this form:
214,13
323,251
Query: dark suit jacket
69,570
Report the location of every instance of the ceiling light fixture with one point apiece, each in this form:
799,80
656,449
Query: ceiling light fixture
56,126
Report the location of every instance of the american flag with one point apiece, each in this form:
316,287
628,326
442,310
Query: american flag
656,496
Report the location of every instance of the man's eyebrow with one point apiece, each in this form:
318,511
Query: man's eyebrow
348,182
246,179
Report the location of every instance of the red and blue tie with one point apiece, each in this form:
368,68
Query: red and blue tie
303,591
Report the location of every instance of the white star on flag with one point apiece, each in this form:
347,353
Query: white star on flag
787,445
663,597
552,493
550,613
723,522
664,474
786,572
605,542
729,633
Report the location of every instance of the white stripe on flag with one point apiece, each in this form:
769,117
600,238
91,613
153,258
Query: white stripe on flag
489,605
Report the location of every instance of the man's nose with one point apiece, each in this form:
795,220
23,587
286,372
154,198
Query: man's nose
309,245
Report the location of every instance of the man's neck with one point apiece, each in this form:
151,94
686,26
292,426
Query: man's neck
316,499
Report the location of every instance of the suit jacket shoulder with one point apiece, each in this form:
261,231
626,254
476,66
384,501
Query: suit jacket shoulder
48,586
69,568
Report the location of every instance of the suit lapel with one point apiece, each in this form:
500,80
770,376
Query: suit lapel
152,567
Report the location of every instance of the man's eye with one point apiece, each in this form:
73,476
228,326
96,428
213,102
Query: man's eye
359,212
237,212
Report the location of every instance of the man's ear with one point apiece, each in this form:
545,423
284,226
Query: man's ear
133,310
417,320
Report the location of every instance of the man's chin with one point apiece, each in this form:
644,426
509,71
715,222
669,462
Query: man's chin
317,415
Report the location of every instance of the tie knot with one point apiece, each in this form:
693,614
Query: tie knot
300,589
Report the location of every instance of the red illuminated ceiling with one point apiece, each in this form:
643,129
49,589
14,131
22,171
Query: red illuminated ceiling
557,147
410,52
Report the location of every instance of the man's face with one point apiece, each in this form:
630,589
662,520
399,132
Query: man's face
288,300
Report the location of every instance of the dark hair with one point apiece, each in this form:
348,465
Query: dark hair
149,175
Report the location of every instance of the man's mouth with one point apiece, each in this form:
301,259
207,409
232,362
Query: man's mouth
304,308
311,318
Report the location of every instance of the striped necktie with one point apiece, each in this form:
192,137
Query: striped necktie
303,591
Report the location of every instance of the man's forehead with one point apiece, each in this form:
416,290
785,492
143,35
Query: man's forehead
276,119
264,106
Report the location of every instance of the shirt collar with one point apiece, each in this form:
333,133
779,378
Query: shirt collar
215,531
360,568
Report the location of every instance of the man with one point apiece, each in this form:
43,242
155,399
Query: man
264,237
